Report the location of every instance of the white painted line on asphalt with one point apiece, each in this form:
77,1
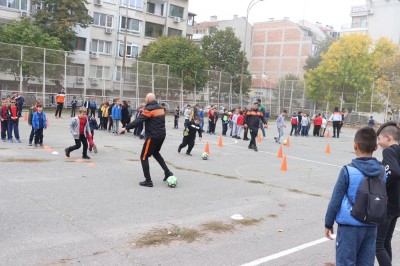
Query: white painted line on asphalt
286,252
297,158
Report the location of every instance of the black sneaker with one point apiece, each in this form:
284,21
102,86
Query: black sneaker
188,153
255,148
30,143
179,150
251,147
167,175
146,183
86,157
67,152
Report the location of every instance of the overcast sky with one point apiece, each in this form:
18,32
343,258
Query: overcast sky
333,12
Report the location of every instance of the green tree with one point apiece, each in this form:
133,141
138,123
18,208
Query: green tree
182,55
345,73
59,17
25,33
222,50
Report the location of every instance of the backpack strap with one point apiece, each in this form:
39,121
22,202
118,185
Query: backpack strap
348,182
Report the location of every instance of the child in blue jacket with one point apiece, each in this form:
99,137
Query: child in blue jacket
116,115
38,124
355,241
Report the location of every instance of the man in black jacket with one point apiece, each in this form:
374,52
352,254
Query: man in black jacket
388,139
154,118
253,118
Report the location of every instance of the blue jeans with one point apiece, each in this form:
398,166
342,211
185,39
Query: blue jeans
355,245
384,240
13,126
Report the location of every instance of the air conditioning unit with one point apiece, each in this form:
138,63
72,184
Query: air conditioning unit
23,14
108,30
370,11
98,2
80,80
95,55
177,19
94,81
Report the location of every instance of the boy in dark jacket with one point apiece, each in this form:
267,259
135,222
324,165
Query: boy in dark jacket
189,135
355,241
388,139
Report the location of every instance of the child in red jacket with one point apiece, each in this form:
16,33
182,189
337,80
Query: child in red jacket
239,124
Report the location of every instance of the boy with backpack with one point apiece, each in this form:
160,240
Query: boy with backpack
388,139
355,241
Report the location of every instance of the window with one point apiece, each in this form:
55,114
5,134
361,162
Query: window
76,70
102,47
129,76
174,32
79,44
138,4
133,25
109,1
151,8
14,4
153,30
363,22
176,11
100,72
102,20
132,50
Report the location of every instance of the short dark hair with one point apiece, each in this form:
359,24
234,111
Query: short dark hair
389,129
284,111
39,105
259,100
365,138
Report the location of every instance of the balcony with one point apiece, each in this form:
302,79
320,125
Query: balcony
359,11
156,8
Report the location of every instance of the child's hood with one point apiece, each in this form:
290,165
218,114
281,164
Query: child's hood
368,166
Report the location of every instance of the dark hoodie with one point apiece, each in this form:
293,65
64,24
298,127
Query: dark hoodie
367,166
391,161
154,118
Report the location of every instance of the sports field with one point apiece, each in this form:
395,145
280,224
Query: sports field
56,210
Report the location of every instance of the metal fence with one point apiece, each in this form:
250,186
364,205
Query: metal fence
39,73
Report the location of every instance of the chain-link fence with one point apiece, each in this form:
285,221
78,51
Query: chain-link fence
40,73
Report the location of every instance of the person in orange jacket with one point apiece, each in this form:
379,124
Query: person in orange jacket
60,98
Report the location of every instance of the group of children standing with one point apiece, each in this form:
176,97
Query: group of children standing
301,124
10,113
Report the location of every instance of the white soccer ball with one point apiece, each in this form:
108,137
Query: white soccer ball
205,156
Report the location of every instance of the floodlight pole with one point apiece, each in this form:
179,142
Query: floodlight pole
251,4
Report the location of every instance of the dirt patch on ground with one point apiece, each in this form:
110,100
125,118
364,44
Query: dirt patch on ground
23,160
218,227
164,236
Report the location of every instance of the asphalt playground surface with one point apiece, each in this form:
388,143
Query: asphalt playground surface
56,210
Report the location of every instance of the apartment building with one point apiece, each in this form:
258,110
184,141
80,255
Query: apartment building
237,24
121,29
281,47
377,18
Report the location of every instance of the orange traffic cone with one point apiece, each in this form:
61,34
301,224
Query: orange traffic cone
207,149
328,149
287,142
329,134
26,117
220,141
280,153
259,139
284,164
47,122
